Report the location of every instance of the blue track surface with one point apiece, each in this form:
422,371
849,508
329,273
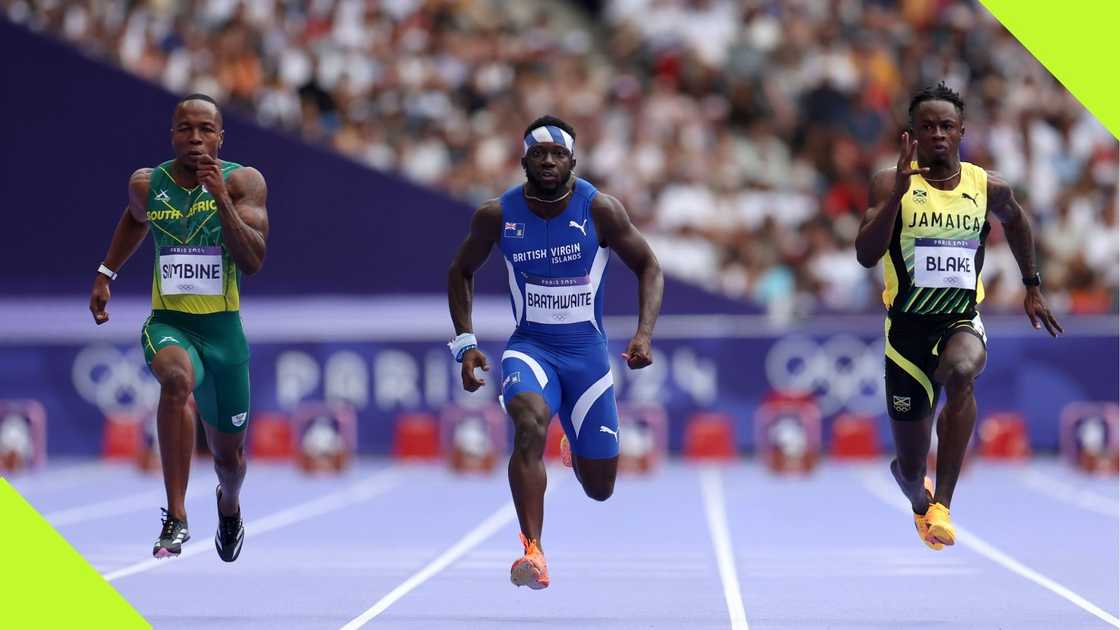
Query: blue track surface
836,550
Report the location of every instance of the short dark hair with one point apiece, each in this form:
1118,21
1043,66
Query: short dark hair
198,96
939,92
553,121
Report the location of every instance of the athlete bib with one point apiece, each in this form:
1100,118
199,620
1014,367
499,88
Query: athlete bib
559,300
945,263
191,270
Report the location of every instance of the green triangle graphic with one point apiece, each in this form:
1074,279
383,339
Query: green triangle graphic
46,583
1073,41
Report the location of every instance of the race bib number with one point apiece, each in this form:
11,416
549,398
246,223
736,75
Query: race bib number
190,270
559,300
941,263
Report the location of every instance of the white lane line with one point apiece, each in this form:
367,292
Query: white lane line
487,528
377,484
114,507
1070,493
887,493
712,488
501,517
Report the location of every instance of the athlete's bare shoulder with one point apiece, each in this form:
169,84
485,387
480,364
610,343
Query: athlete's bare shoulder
490,207
1001,198
884,174
138,185
248,183
604,201
615,228
485,231
246,174
486,222
608,209
489,213
140,179
998,187
882,183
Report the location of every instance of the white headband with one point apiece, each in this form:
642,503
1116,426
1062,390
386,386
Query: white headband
553,134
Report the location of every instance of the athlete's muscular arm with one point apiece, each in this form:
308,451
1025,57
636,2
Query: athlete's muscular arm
1017,228
241,209
619,234
878,222
130,232
485,228
887,189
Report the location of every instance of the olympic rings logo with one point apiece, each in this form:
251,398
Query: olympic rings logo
843,372
115,381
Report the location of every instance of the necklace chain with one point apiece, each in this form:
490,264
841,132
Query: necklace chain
942,180
560,198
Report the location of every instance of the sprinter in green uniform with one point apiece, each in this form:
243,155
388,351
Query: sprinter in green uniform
927,224
209,223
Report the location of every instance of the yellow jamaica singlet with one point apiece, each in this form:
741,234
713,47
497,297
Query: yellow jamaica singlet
932,266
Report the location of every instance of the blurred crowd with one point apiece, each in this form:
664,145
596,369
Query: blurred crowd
740,135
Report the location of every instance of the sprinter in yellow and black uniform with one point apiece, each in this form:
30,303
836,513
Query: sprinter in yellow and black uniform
927,225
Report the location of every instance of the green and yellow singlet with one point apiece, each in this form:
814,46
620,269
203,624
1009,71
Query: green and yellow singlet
193,271
932,266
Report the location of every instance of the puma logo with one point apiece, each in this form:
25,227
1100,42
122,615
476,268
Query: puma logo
970,198
605,429
582,227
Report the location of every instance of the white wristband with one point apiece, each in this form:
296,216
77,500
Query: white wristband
107,272
461,344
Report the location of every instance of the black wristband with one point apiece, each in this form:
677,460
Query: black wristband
1033,281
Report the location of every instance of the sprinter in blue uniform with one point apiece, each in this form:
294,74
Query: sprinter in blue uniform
555,233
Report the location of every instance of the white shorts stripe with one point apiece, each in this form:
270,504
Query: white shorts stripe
588,398
515,292
598,266
538,371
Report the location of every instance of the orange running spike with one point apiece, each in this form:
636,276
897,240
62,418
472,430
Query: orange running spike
530,569
566,451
